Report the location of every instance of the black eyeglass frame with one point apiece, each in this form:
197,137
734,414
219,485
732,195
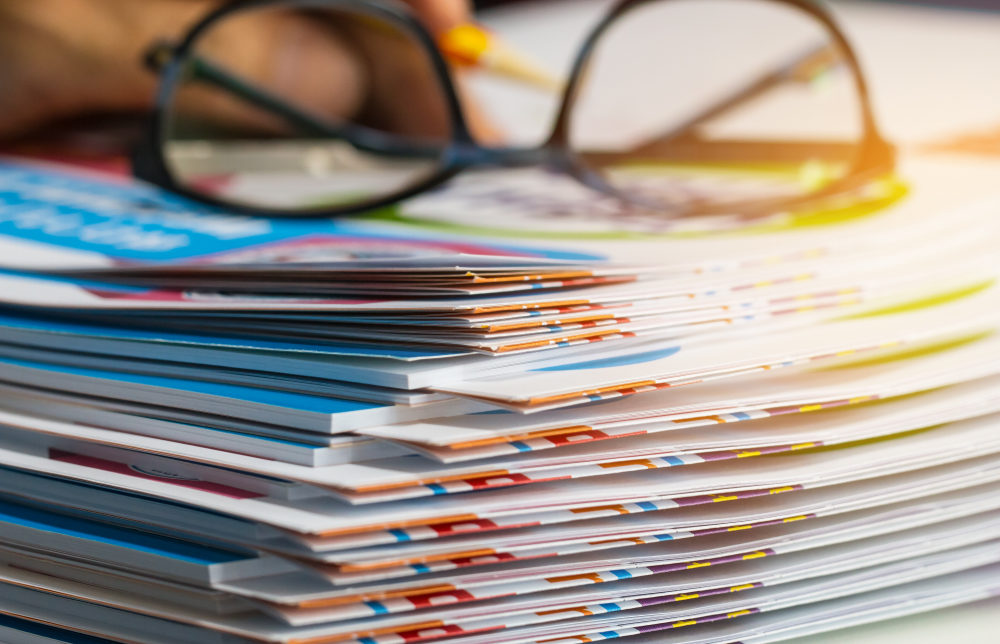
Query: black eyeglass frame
875,155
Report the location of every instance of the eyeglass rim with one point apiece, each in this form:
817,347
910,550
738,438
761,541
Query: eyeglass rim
462,151
149,158
875,153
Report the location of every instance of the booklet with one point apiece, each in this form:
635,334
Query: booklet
40,592
312,413
327,516
267,442
377,474
231,429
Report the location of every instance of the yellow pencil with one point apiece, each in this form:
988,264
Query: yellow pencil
473,46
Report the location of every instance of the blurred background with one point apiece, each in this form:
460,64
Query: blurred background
931,65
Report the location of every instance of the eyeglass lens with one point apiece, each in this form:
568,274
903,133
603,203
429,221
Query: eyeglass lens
296,109
705,105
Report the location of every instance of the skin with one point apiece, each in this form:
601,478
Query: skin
64,58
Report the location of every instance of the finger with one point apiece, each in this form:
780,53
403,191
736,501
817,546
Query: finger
405,95
441,15
287,55
483,128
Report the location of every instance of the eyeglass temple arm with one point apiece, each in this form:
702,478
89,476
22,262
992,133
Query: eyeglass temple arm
363,138
800,68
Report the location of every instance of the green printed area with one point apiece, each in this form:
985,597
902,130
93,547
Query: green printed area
334,201
837,211
926,302
833,211
909,353
825,449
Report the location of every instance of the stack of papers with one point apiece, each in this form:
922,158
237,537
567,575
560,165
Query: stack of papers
226,429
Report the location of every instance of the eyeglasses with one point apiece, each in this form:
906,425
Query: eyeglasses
675,108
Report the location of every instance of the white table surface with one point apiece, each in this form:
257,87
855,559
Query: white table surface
933,73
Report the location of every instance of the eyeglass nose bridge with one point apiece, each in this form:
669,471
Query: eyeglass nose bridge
466,154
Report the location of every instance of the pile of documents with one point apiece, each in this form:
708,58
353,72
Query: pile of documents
228,429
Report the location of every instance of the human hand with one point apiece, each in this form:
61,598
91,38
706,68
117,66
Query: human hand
64,58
